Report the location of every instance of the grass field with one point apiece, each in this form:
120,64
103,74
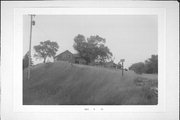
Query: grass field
61,83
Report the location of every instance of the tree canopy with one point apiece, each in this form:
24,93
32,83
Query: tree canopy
46,49
149,66
92,49
138,67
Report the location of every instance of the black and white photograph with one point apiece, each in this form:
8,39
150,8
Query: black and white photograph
90,59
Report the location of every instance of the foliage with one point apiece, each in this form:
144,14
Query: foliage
26,60
46,49
92,49
150,66
137,67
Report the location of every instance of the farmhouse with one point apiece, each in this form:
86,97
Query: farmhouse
70,57
65,56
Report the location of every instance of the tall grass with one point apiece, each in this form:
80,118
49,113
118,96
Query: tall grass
61,83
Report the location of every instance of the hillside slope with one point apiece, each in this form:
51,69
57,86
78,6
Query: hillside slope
61,83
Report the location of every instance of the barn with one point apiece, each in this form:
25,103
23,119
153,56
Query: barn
65,56
70,57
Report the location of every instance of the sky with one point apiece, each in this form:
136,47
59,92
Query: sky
130,37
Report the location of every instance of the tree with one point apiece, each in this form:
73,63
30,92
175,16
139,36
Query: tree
138,67
26,60
46,49
92,49
151,65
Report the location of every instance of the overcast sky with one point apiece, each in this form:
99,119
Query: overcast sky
130,37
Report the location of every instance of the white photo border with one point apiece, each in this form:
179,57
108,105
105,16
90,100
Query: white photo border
18,51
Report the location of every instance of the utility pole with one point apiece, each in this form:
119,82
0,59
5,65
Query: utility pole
122,60
31,24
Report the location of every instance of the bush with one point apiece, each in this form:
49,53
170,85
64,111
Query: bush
149,66
138,68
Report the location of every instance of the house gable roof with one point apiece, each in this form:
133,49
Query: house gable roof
67,51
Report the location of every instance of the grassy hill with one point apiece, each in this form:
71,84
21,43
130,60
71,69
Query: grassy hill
61,83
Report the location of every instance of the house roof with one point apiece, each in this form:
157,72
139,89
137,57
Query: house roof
67,51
